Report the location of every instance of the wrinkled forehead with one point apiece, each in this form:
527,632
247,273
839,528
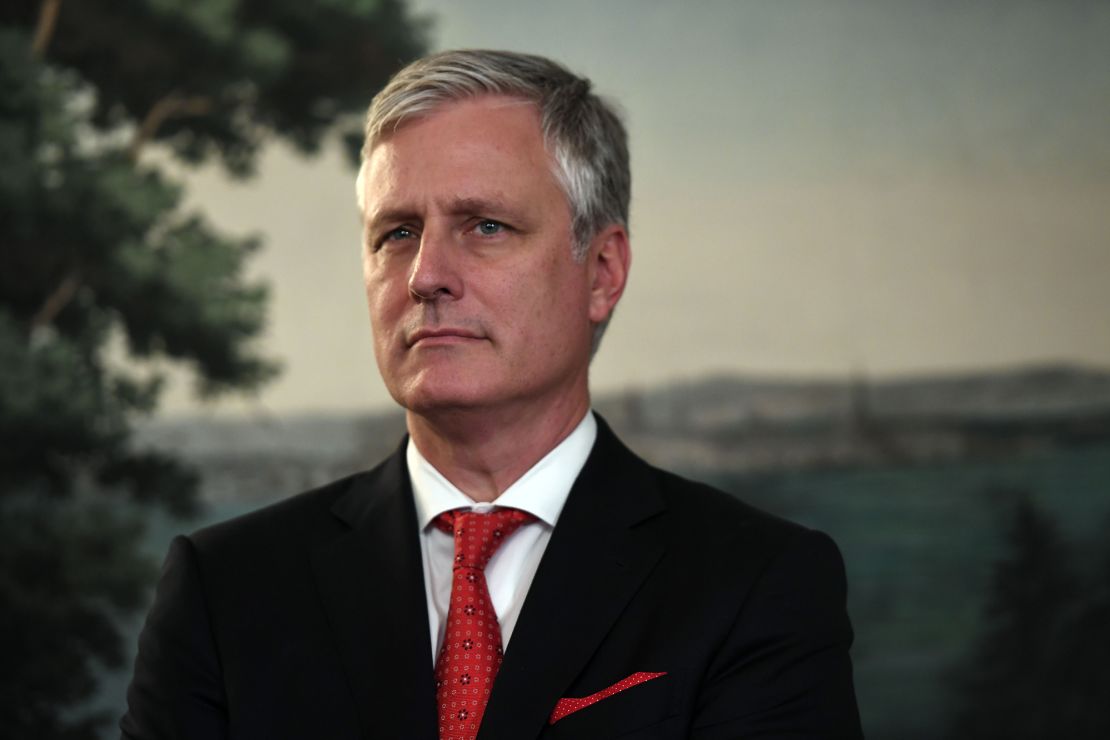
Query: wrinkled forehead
407,125
381,127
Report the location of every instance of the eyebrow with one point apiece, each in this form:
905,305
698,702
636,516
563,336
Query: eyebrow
472,206
477,206
390,215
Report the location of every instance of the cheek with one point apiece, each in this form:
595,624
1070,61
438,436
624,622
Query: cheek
552,310
383,283
383,316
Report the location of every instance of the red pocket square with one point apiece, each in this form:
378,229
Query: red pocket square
570,705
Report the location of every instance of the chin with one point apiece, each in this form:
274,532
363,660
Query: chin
425,397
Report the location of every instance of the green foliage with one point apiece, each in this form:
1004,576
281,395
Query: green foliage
242,68
67,572
1038,668
105,278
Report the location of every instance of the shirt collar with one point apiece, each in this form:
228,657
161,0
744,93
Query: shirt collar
541,491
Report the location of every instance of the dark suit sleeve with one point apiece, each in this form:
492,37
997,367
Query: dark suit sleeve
784,670
177,690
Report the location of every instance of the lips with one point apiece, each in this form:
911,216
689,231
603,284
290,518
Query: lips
441,335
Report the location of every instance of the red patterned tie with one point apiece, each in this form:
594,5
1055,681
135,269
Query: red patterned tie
471,652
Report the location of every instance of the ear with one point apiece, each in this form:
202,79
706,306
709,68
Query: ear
609,260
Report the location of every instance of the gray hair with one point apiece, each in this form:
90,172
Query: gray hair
583,133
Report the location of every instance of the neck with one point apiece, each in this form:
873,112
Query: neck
483,452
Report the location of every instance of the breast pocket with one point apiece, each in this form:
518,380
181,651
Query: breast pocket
632,712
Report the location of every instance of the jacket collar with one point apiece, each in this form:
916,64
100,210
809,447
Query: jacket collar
371,584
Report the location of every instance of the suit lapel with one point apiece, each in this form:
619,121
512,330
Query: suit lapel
602,549
371,583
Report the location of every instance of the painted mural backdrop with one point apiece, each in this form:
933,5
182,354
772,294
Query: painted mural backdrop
869,294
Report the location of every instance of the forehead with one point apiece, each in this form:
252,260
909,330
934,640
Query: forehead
483,142
486,104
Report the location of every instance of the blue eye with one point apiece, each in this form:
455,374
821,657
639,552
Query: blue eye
401,233
398,233
490,228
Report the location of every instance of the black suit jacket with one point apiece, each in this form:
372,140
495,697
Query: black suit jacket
308,619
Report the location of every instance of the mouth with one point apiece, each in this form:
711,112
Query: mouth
441,336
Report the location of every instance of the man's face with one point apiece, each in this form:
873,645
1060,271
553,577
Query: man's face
475,298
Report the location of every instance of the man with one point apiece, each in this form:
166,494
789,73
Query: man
513,571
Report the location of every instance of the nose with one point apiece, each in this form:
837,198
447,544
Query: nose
435,275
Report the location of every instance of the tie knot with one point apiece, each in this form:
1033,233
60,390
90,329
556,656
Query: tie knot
477,536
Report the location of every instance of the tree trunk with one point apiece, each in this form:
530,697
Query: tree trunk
168,107
58,299
44,29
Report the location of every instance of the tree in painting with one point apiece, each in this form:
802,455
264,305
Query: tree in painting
106,279
1038,667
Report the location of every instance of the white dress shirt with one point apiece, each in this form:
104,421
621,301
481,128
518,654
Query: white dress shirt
541,491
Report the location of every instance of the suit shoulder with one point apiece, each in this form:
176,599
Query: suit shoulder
291,519
714,508
721,523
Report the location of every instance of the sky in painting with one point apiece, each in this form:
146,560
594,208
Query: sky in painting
820,188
